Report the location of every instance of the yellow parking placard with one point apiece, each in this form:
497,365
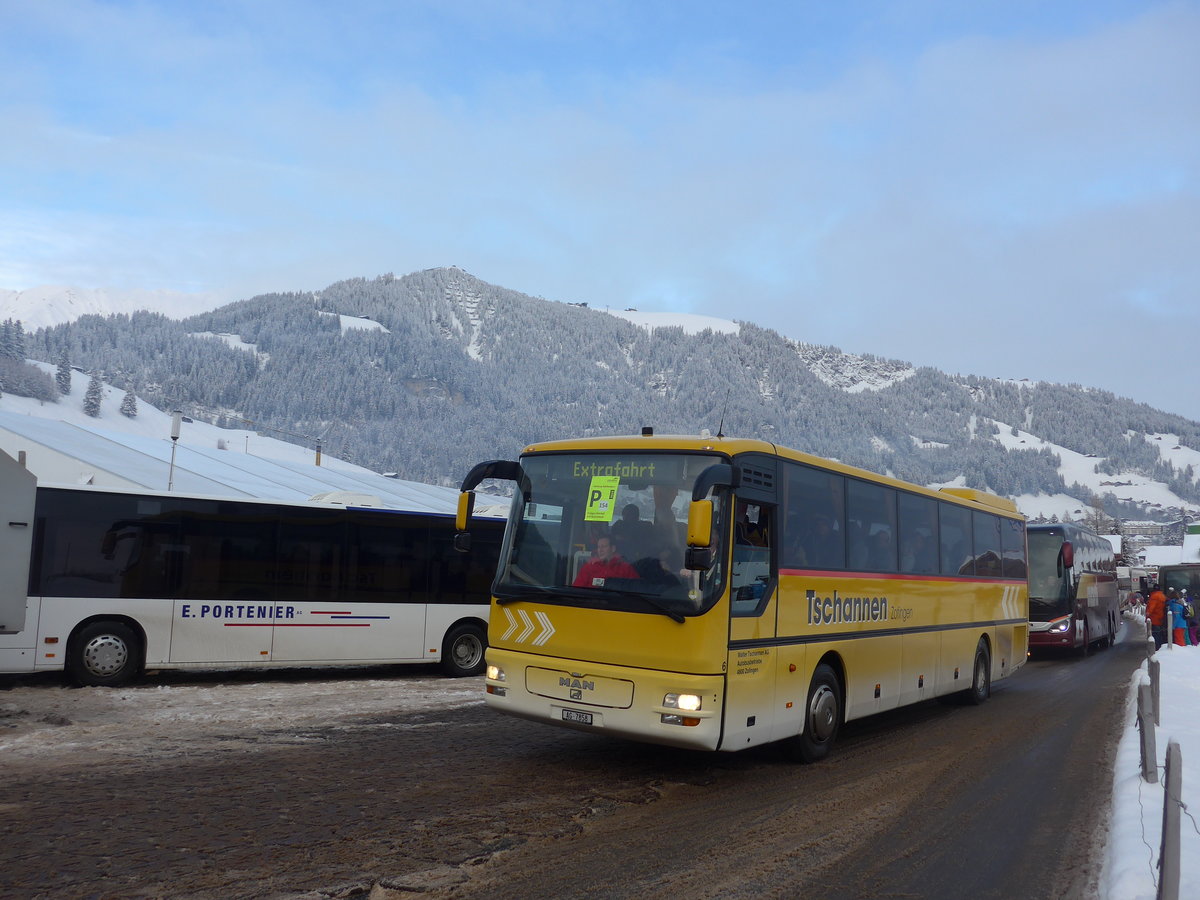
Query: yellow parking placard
602,498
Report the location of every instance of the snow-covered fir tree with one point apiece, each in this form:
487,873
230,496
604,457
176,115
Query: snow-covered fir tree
62,377
129,405
91,400
12,340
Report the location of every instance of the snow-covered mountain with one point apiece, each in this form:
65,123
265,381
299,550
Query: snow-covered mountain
48,305
846,371
428,373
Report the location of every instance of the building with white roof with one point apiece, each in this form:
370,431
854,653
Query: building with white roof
60,444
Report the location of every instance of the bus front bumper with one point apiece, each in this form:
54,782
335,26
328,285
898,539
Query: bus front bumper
671,708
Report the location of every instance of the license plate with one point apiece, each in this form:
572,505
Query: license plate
579,718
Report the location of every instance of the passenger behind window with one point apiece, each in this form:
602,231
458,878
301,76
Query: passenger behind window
666,569
881,554
823,545
918,554
750,528
858,546
634,536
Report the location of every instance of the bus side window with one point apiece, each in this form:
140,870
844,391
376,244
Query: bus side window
987,544
871,510
751,525
918,534
954,537
750,582
1012,542
814,536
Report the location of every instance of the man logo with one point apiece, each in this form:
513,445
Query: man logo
576,695
576,683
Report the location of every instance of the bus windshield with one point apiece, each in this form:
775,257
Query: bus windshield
1049,590
608,530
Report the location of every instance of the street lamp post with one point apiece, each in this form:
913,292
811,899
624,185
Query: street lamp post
176,420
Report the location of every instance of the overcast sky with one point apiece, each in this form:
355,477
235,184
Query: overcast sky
1001,187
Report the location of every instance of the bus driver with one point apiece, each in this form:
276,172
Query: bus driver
603,565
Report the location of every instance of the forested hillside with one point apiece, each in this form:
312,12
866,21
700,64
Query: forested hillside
462,370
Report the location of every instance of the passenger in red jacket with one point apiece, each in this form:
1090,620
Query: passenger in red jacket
1156,612
604,564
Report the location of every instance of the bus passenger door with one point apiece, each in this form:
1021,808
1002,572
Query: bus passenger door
226,609
16,540
753,601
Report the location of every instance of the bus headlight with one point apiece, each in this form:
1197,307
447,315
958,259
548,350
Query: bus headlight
1058,626
688,702
495,673
684,703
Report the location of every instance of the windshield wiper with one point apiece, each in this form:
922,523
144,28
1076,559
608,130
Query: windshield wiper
650,601
524,591
514,593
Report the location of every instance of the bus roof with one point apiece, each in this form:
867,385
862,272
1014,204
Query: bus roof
346,502
734,446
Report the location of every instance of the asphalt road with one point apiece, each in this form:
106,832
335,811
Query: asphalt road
936,801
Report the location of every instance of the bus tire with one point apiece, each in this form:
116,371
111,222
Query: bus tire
1112,632
822,716
104,654
1087,640
463,651
981,675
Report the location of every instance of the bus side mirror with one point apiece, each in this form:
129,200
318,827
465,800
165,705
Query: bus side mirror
700,516
698,559
699,555
466,506
1068,554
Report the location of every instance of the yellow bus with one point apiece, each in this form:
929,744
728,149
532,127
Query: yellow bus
716,593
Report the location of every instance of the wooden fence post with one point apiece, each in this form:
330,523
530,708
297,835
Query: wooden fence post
1154,668
1168,858
1146,727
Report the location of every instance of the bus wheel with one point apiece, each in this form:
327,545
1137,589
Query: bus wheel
822,716
1087,640
981,675
462,654
104,654
1112,632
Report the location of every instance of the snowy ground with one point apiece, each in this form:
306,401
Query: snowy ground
1131,867
183,714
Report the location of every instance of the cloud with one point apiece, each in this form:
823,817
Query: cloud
898,179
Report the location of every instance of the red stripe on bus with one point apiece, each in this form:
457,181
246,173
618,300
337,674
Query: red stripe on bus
895,576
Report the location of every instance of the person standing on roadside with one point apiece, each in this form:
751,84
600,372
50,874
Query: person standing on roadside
1189,612
1156,613
1179,624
